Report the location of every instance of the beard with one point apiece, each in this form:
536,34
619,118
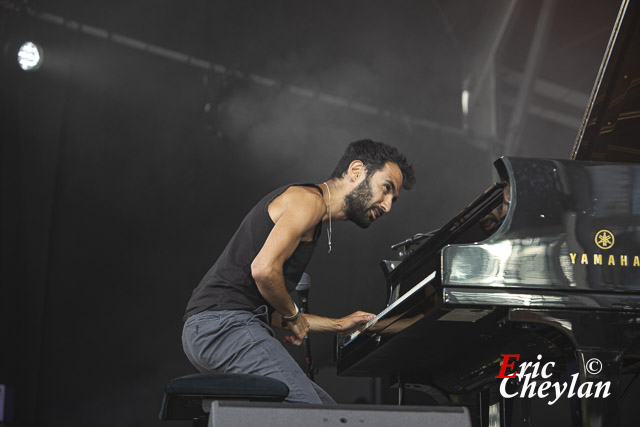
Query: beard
356,204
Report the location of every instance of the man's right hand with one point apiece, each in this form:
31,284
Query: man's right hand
300,329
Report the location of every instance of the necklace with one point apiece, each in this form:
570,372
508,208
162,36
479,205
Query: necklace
329,229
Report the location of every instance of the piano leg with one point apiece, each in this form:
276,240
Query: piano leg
484,403
599,340
574,402
475,403
487,408
400,391
525,412
496,410
600,366
506,412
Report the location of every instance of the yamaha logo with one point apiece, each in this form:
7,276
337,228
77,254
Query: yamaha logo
604,239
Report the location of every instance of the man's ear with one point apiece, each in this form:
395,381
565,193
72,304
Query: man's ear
356,170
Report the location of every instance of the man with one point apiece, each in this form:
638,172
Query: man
247,289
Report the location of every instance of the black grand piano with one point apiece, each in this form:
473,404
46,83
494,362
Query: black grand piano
544,265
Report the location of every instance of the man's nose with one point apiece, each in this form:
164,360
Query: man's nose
386,205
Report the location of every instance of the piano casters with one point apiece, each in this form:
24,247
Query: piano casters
302,288
599,339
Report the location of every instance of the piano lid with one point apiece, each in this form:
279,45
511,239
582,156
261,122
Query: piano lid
611,125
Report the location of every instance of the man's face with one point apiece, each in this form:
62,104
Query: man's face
493,219
374,196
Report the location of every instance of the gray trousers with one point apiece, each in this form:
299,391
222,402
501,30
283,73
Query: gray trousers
243,342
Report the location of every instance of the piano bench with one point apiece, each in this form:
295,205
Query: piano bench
190,397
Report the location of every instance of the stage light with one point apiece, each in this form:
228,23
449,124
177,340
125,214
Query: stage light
465,102
30,56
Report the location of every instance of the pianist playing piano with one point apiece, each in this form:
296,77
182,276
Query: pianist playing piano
228,317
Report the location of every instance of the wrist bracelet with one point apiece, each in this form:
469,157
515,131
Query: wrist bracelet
293,318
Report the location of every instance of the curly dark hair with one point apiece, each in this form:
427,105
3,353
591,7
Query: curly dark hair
374,155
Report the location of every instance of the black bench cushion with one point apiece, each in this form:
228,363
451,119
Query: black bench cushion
183,396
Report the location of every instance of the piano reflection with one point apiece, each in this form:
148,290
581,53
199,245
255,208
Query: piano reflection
543,268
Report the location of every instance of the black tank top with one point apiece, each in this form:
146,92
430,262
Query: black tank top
228,285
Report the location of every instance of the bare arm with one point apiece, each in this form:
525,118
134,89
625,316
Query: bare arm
296,213
343,325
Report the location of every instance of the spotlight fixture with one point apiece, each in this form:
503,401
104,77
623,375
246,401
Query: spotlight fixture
30,56
465,102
